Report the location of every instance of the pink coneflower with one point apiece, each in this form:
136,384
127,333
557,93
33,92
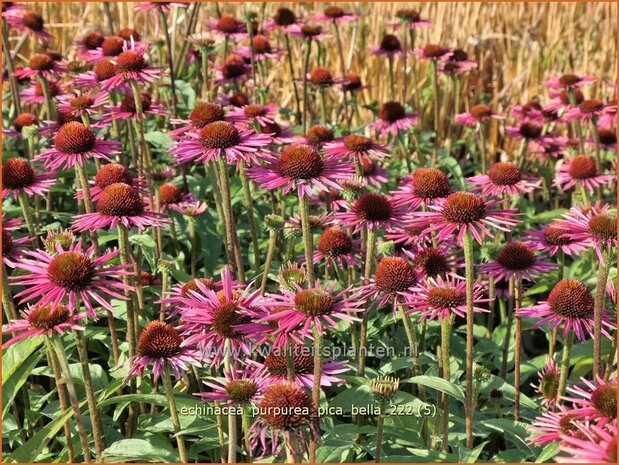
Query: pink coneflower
282,19
548,386
550,426
530,111
317,136
553,238
19,176
516,259
74,143
62,237
389,46
109,174
608,138
280,135
21,121
159,6
392,119
307,32
580,170
84,103
551,146
410,19
457,63
317,306
594,400
174,298
102,70
321,78
119,203
87,46
273,369
33,94
394,278
461,212
587,110
371,210
530,130
336,248
126,108
433,261
71,274
335,15
219,139
609,115
262,49
228,27
200,116
262,114
302,168
131,65
433,52
405,236
317,223
233,70
355,145
569,304
235,100
189,206
504,179
211,318
40,64
599,445
29,22
423,186
441,297
476,115
42,320
237,388
11,246
372,173
351,82
162,345
569,81
594,227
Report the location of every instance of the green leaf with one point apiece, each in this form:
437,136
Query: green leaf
548,452
17,363
152,449
441,385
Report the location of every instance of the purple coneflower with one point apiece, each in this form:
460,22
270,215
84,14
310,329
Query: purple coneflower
262,49
594,444
238,387
423,186
317,136
516,259
394,278
85,103
530,131
548,386
504,179
552,238
21,121
476,115
87,46
29,22
307,32
550,426
19,176
233,70
410,19
392,119
371,210
131,65
33,94
336,248
569,81
389,46
40,64
113,173
580,170
200,116
335,15
355,146
264,115
126,108
11,246
228,27
595,400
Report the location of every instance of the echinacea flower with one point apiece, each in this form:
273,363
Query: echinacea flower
40,64
594,444
321,78
552,238
34,95
71,274
109,174
504,179
262,49
29,22
433,261
393,118
293,226
463,212
300,167
118,204
336,248
594,400
389,46
317,136
569,304
457,63
569,81
221,139
41,320
410,19
131,66
85,103
550,426
440,297
529,111
587,110
282,19
529,131
371,210
394,278
162,346
202,114
608,138
21,121
179,292
12,246
516,259
233,70
74,143
237,388
261,114
351,82
102,70
280,135
423,186
309,32
126,108
335,15
580,170
19,176
227,26
433,52
88,44
476,115
548,386
58,237
355,146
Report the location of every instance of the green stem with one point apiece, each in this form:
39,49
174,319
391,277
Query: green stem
482,146
294,83
308,49
246,438
445,334
253,231
340,52
470,338
316,388
391,78
363,335
323,106
7,298
169,392
62,400
434,67
307,239
576,123
380,426
49,106
168,41
600,293
23,203
518,349
565,363
269,259
596,141
10,66
231,416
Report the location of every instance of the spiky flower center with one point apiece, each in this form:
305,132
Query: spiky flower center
549,384
390,43
286,407
54,89
47,317
504,174
225,319
318,135
357,143
394,274
556,236
458,55
104,69
74,137
219,135
112,46
367,165
128,103
205,113
241,390
321,77
333,12
228,24
72,270
352,81
81,102
582,167
432,261
234,66
17,174
192,285
261,44
434,51
120,199
430,183
335,242
284,17
130,61
603,226
571,298
7,243
569,80
273,129
409,16
446,297
516,256
128,34
608,136
373,206
253,111
464,208
169,194
310,31
239,99
159,340
41,62
301,162
481,111
33,21
530,130
391,112
24,120
111,174
604,399
314,303
591,106
275,363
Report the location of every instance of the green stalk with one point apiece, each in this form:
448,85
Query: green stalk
7,298
576,123
363,335
11,67
253,231
340,52
246,439
434,67
391,78
600,293
62,400
565,363
307,239
517,350
316,388
445,334
380,426
323,106
470,338
49,106
482,146
294,83
23,203
231,416
169,392
269,259
168,41
308,49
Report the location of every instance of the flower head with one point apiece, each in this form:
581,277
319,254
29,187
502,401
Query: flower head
424,186
19,176
581,171
393,118
517,259
371,210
